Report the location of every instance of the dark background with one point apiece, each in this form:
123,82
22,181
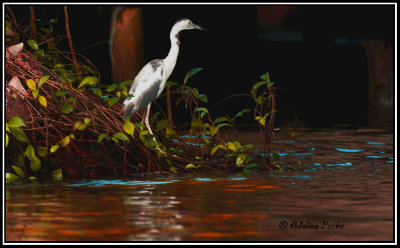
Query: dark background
321,72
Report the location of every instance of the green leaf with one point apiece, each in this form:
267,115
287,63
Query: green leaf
15,121
8,127
20,159
10,177
42,151
221,119
91,81
7,139
61,92
265,77
142,136
120,136
122,87
30,152
247,168
250,166
202,109
223,125
31,84
43,80
35,93
112,101
70,100
79,125
162,124
237,144
33,44
41,52
42,100
203,97
32,178
101,137
111,87
129,128
216,148
190,166
35,164
19,171
239,161
190,73
169,131
260,119
231,146
191,91
72,136
54,148
213,130
139,125
241,113
173,169
253,93
19,134
248,146
87,120
67,108
258,85
97,92
64,142
57,174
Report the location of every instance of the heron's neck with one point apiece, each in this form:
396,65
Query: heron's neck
170,60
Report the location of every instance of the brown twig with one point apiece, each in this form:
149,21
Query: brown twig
71,47
32,23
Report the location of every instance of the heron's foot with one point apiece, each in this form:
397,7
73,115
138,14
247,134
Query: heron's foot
157,147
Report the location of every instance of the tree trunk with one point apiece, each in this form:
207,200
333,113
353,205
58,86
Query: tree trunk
380,68
126,43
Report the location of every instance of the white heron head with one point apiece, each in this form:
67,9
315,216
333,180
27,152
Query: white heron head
183,24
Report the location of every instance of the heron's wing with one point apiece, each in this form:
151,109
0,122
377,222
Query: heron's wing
145,87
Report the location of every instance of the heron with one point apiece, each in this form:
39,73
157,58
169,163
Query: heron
151,79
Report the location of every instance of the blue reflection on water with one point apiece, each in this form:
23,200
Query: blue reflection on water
348,150
340,164
99,183
375,157
375,143
284,141
304,153
203,179
294,176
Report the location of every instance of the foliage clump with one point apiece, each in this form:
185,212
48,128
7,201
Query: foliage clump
75,123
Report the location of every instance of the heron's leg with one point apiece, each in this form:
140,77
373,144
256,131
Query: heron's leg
146,118
146,121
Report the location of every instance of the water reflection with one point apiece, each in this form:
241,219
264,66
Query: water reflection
333,187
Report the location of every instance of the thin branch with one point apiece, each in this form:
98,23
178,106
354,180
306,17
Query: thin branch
32,23
71,47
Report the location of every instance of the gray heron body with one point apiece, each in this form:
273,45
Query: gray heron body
150,81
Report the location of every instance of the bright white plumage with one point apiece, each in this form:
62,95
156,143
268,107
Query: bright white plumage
150,81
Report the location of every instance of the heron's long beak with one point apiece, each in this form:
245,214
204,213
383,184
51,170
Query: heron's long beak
198,27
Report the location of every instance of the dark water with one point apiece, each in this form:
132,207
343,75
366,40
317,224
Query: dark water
344,193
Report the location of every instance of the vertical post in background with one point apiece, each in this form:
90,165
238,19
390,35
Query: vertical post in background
381,84
126,43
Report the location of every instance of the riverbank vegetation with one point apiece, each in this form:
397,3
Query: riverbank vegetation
62,118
